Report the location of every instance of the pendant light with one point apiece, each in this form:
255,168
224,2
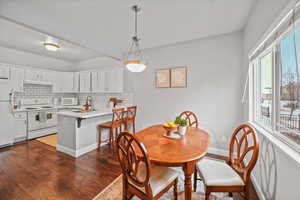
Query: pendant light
134,61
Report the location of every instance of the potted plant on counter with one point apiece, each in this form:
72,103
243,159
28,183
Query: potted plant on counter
182,125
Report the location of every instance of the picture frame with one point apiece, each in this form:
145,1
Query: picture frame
179,77
162,78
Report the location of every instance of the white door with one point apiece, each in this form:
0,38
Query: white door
67,82
17,78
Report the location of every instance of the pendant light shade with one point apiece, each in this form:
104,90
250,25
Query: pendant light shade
134,61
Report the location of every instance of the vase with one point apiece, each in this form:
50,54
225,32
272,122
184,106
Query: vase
182,130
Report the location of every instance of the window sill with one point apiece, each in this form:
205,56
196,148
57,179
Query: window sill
278,142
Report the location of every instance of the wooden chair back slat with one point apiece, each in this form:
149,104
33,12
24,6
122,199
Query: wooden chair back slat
131,112
190,117
237,157
133,164
118,116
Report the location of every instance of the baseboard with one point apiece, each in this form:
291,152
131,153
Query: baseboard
85,150
66,150
216,151
258,190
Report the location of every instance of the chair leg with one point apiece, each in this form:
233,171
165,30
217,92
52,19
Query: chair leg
111,135
207,195
133,126
247,192
195,180
230,194
175,189
99,142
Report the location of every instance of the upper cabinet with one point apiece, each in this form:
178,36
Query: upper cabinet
37,76
64,82
84,82
4,72
107,81
17,78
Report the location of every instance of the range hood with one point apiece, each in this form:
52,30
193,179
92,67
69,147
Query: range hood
36,82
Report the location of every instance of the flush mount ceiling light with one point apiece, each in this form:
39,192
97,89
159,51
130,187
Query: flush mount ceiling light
134,60
51,44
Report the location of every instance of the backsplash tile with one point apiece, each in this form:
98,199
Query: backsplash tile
100,101
39,92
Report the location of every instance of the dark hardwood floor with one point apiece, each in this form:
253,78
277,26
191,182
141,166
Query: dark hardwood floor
33,170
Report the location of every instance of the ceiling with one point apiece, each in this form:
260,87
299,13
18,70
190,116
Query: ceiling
15,36
107,25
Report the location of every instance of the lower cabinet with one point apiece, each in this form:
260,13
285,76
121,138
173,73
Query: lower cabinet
21,126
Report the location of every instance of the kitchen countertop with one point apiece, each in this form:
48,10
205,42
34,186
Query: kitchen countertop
84,115
54,107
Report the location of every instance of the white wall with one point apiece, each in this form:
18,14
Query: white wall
100,63
214,85
12,56
276,173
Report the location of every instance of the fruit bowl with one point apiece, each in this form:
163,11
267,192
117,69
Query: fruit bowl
170,128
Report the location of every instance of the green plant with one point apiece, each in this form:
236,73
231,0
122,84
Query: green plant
180,121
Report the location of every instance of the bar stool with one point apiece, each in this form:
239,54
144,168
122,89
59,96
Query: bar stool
130,117
114,125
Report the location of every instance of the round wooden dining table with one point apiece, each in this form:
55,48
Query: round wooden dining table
184,152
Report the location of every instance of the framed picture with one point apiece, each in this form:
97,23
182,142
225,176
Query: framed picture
163,78
179,77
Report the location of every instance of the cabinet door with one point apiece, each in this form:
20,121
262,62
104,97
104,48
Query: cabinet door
115,81
66,82
17,78
56,78
4,72
21,126
31,75
76,82
85,82
99,82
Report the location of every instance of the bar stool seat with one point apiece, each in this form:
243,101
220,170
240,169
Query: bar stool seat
106,125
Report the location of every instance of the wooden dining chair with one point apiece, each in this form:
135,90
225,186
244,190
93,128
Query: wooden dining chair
114,126
130,117
234,174
190,117
139,177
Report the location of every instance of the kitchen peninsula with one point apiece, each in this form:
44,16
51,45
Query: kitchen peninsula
78,133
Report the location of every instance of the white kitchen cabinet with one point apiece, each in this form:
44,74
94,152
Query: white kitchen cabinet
76,81
21,126
36,75
115,81
99,82
17,78
108,81
85,82
4,72
65,82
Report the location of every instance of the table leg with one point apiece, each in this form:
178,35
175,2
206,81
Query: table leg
188,169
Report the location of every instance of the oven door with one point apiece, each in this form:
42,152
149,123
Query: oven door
36,120
51,118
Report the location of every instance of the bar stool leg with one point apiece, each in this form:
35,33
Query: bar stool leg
133,126
99,141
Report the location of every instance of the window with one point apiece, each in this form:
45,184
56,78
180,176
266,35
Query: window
289,105
276,88
264,90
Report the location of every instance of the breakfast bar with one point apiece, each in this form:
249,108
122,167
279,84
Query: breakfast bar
78,132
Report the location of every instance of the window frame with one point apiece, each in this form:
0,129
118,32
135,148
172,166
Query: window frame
254,66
